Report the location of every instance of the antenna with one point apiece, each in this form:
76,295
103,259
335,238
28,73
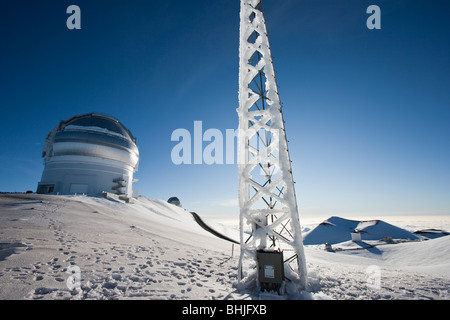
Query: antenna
271,241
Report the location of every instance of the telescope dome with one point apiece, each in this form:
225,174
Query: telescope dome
174,201
89,153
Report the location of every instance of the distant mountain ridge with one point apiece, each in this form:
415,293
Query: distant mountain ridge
336,230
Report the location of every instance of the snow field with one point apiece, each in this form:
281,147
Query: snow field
116,258
152,250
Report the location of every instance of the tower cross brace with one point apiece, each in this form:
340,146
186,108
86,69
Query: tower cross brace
269,219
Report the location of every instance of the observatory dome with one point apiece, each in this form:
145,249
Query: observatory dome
89,153
174,201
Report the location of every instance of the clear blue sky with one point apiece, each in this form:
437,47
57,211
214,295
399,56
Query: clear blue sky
367,111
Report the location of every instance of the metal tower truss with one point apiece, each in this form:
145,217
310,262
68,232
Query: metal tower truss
269,219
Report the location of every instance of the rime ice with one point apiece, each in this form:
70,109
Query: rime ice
266,188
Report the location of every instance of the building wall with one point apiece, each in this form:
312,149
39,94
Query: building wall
88,175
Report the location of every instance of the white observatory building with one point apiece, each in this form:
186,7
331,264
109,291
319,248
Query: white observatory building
89,154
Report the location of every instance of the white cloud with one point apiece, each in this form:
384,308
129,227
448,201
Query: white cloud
229,203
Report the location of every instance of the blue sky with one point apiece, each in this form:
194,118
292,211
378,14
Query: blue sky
367,111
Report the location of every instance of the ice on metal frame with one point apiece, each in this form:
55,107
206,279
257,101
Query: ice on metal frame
265,174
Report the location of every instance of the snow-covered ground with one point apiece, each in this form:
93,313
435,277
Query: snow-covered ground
78,247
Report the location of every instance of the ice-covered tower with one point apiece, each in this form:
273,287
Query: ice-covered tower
271,240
